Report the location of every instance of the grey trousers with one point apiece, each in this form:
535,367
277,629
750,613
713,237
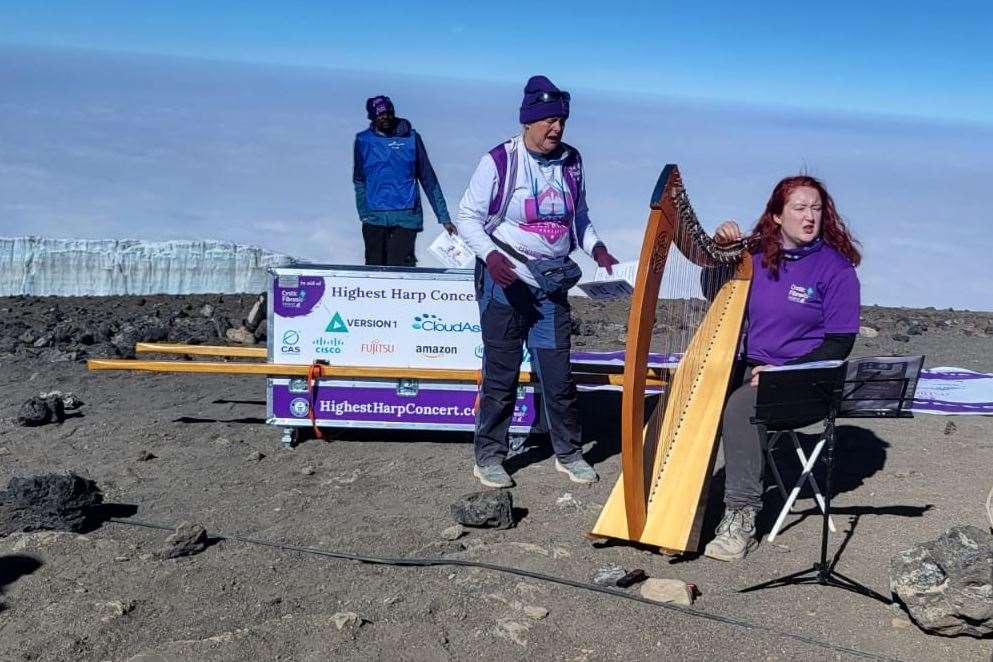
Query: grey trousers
744,456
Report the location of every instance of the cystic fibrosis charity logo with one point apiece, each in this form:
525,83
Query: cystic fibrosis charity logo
799,293
336,325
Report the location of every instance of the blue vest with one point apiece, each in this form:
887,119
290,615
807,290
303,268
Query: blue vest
389,164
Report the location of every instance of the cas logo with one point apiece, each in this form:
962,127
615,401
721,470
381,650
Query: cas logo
291,342
434,324
328,346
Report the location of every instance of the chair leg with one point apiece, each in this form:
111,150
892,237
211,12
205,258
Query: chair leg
808,466
771,461
818,497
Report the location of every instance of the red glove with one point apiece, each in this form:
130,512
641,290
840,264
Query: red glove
604,259
501,268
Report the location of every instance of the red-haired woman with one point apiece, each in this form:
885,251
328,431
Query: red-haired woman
803,306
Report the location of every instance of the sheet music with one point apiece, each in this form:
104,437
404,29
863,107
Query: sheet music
880,383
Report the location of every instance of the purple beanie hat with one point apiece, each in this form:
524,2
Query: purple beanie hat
533,108
378,105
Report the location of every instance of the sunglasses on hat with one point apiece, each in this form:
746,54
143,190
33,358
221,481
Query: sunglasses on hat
545,97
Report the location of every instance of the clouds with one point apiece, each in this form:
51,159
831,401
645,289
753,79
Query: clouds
156,148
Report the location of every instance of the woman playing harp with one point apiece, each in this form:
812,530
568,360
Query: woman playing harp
803,306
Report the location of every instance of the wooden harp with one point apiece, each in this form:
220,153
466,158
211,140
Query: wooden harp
660,496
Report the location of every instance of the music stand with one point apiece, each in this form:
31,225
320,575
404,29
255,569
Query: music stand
876,387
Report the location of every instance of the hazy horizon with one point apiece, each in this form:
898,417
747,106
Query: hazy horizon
96,145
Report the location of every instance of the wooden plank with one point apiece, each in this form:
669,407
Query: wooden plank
200,350
327,372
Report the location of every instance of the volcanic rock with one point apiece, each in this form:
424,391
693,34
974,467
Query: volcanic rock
947,584
189,539
61,502
489,509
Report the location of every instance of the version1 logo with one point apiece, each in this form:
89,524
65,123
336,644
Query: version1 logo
433,324
339,325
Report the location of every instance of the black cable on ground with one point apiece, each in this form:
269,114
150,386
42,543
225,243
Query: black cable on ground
428,562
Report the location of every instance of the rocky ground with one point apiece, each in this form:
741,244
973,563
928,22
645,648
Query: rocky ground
166,448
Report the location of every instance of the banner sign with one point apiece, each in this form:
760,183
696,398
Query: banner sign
371,404
372,316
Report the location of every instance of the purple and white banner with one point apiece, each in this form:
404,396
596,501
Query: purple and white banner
956,391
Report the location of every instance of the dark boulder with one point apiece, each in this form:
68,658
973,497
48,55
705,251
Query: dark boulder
61,502
490,509
947,584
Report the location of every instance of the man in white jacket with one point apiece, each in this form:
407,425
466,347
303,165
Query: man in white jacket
526,202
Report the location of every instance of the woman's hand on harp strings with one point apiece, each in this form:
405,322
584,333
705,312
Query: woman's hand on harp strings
728,232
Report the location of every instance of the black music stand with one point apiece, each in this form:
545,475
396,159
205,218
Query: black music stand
877,387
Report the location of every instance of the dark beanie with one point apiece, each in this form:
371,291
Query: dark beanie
378,105
533,109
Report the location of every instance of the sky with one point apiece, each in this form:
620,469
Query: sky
235,121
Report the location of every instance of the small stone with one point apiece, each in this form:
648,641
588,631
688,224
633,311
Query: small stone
536,613
255,456
899,337
240,335
901,623
916,330
609,575
667,590
453,532
145,456
344,619
308,470
516,632
121,559
207,311
568,502
868,332
42,342
950,427
187,540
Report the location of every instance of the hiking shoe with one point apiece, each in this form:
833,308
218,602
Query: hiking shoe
579,470
493,475
735,535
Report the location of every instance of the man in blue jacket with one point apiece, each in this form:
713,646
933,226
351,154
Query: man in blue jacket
389,161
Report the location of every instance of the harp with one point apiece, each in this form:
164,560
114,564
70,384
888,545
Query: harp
660,496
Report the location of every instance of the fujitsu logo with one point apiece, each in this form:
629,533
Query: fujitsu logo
377,347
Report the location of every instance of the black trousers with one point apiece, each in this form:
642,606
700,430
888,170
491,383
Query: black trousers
389,246
511,317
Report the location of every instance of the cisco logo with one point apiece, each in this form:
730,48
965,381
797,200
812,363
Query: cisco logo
328,346
433,324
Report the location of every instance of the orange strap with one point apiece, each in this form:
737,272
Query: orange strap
479,392
313,381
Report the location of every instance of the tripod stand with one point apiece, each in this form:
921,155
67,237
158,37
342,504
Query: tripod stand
821,393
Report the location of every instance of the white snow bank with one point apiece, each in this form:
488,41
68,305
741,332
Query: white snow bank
70,267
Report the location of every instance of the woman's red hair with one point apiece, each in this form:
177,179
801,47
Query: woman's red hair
834,232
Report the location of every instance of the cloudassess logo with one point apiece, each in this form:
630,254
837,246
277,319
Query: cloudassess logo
434,324
340,325
290,342
436,351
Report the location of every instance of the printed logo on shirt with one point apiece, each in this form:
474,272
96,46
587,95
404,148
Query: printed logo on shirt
394,144
799,293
